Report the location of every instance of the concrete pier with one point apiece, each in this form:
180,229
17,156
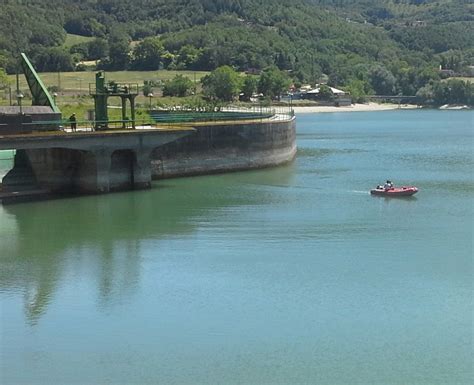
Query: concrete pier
230,146
86,162
105,161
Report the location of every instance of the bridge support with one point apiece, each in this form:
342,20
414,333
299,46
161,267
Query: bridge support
103,161
121,170
21,177
142,170
86,163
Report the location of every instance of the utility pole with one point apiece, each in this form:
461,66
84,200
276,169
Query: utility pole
150,95
17,83
19,95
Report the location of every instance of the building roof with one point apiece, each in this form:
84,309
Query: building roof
28,110
335,91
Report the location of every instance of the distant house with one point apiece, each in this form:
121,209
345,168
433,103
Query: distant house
305,88
417,24
253,71
339,97
446,73
314,92
311,94
335,91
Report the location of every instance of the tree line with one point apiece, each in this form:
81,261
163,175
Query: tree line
386,47
224,84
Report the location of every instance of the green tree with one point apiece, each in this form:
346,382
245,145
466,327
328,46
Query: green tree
119,49
358,90
441,94
325,92
3,60
97,49
382,80
453,91
53,59
249,87
425,95
188,57
309,37
222,84
4,81
147,55
147,88
459,91
273,82
179,86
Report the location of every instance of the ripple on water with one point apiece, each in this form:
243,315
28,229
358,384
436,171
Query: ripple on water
442,162
322,152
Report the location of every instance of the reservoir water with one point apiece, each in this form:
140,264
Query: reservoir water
292,275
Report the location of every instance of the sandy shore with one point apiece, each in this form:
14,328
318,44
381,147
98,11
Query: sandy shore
353,108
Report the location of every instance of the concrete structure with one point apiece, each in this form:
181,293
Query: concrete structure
95,162
339,98
102,91
101,162
16,120
49,160
221,147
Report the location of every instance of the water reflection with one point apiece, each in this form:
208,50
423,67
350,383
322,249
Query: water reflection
104,235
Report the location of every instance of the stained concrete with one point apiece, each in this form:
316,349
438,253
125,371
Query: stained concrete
227,147
87,162
100,162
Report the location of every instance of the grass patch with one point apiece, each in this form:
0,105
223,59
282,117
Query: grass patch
464,79
75,39
79,81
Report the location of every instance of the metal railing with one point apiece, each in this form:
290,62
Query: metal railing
114,89
227,114
158,118
66,125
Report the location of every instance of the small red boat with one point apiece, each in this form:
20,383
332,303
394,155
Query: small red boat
404,191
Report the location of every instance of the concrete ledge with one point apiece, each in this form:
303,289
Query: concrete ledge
89,140
86,162
220,147
23,196
107,161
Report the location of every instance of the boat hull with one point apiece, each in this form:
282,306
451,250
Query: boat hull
404,191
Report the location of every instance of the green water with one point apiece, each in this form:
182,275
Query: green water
6,162
294,275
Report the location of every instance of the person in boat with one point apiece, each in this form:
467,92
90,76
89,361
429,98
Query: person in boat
388,185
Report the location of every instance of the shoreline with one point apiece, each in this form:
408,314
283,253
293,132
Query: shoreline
366,107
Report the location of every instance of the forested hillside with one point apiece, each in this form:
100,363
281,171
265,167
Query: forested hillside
385,46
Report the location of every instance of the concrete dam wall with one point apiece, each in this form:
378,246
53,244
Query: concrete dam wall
98,162
222,147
